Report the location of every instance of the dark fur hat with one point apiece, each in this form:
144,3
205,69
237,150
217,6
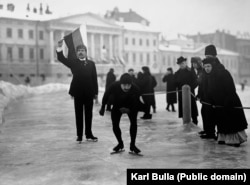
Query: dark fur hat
208,61
210,50
181,59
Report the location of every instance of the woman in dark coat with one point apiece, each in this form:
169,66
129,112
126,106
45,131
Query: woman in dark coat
220,90
110,79
184,76
147,83
171,89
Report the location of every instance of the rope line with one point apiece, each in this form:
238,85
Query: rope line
202,102
218,106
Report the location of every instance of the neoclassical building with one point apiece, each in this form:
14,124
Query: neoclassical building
27,45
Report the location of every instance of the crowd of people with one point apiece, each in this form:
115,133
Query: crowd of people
216,91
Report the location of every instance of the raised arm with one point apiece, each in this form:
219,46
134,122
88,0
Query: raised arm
60,56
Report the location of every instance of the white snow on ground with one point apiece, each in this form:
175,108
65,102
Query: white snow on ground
9,92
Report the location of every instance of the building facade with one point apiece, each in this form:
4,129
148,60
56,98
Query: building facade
141,47
27,47
171,51
239,43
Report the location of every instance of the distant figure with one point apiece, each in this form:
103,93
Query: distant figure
27,80
131,72
243,84
147,83
184,76
109,80
43,77
219,88
196,67
170,89
83,88
126,101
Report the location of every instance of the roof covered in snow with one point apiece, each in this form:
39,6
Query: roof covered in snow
133,26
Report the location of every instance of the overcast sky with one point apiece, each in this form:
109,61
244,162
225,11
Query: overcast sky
167,16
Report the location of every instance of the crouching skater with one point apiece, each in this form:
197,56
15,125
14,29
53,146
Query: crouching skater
126,101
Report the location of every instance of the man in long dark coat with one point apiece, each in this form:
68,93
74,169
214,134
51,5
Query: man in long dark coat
184,76
220,91
109,80
83,88
170,89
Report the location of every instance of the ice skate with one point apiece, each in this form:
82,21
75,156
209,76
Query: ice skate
79,140
92,138
118,149
135,151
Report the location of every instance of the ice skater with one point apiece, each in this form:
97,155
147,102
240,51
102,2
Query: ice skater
126,101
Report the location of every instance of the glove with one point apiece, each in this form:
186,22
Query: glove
101,111
124,110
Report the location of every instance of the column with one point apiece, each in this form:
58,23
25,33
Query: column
93,46
52,47
101,48
111,54
120,45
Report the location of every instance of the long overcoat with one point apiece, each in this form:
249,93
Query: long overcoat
186,77
170,88
219,90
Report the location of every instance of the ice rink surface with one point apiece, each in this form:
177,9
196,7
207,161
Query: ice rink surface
38,147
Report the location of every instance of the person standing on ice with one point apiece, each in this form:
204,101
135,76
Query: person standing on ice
220,92
184,76
170,89
83,88
110,78
126,101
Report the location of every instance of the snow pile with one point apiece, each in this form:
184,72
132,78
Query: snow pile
10,92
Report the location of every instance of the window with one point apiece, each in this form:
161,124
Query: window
31,53
126,57
41,54
134,58
20,53
164,60
147,42
41,36
133,41
154,42
20,33
148,59
126,41
140,42
9,33
141,58
155,57
9,53
31,34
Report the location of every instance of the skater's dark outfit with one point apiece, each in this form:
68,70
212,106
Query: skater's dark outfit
124,102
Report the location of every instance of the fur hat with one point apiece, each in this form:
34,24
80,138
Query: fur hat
208,61
210,50
181,59
126,79
196,60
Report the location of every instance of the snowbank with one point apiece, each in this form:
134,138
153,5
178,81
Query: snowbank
10,92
